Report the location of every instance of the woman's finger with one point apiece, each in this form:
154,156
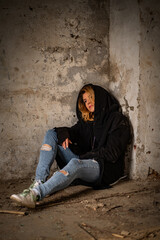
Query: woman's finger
66,143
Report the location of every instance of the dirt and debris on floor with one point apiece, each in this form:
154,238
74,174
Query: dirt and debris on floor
129,210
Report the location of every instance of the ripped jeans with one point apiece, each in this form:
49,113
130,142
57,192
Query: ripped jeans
87,170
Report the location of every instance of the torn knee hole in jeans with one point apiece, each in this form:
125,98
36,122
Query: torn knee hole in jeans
46,147
64,172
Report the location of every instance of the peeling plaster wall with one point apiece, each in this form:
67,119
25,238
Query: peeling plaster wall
148,141
124,62
134,49
48,51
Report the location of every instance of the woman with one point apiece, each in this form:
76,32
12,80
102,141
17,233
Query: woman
91,151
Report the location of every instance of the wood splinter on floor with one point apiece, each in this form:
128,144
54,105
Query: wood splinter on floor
13,212
117,235
83,226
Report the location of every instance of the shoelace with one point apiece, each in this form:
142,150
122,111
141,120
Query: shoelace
35,183
26,192
32,185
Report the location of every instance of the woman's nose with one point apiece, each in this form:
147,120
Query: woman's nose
88,101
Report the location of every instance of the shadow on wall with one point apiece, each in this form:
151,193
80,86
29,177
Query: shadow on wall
130,146
129,151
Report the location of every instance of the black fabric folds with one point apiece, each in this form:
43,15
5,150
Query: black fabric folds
105,139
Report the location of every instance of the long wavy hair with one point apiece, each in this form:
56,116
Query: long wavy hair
86,114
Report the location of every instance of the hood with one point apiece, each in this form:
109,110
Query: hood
105,103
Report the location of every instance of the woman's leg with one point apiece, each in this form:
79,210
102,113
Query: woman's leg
64,156
48,153
86,170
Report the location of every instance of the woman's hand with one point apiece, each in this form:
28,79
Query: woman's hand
66,143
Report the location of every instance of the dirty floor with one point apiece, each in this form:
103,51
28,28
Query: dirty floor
129,210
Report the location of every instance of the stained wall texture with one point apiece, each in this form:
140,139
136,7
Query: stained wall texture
124,40
50,49
148,152
134,66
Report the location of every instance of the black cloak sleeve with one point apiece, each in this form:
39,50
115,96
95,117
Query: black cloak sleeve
68,132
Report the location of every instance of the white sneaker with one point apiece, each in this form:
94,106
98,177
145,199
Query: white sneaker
35,184
27,198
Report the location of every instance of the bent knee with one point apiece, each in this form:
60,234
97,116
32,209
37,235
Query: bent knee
75,161
51,133
46,147
51,136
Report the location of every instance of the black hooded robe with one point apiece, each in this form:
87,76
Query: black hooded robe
105,139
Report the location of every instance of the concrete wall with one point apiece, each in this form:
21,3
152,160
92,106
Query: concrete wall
148,152
50,49
124,62
135,61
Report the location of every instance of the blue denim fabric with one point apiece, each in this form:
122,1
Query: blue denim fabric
87,170
47,158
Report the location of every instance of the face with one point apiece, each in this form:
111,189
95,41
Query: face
88,99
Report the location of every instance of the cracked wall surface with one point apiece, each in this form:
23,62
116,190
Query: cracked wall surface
148,151
134,68
48,51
